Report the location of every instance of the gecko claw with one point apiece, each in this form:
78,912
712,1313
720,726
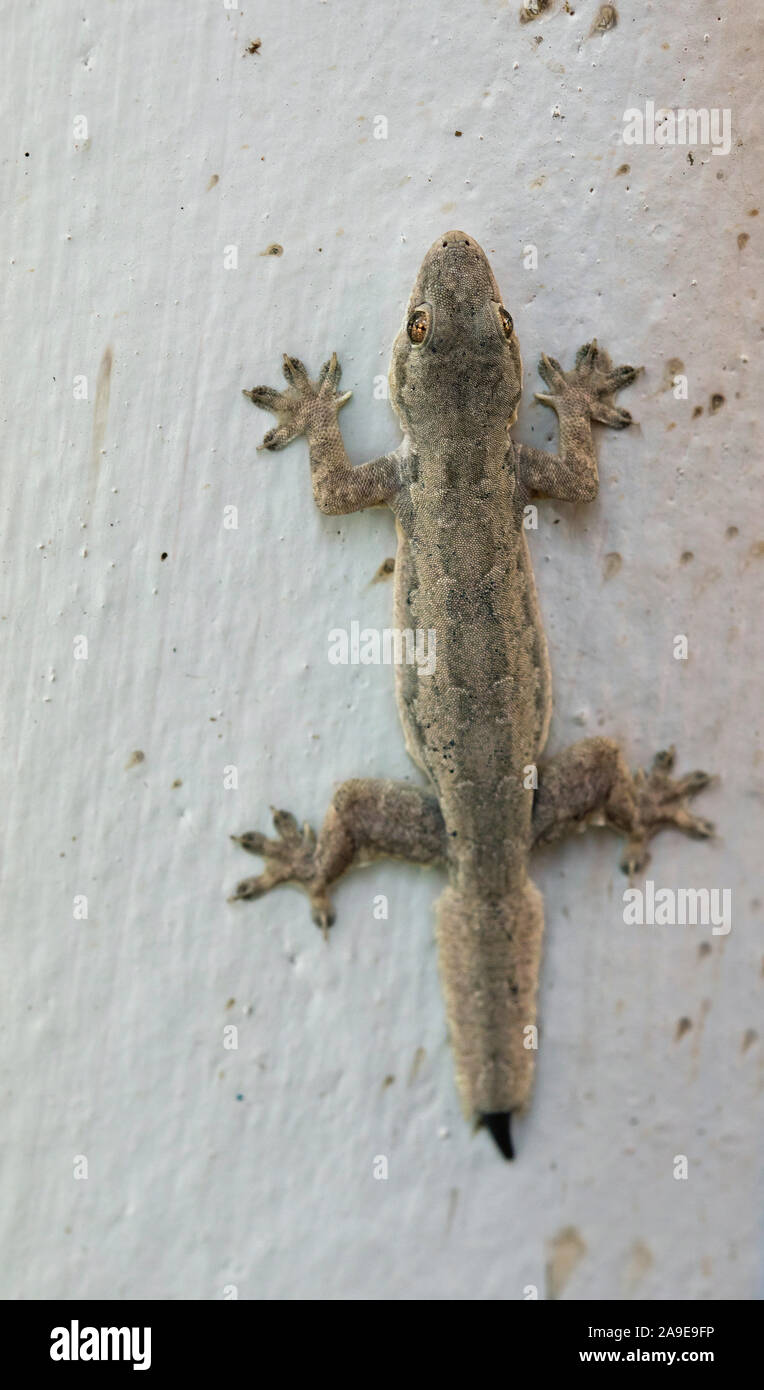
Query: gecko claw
294,372
323,916
498,1122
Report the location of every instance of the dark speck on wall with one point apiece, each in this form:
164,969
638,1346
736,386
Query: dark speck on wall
385,570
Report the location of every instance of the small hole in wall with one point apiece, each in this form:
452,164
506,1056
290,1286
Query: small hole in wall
163,556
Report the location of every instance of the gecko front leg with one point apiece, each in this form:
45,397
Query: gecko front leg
311,408
366,820
591,784
584,394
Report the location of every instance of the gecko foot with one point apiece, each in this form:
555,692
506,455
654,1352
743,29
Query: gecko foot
662,801
289,859
304,405
589,389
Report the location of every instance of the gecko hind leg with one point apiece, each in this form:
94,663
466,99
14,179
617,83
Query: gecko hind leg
366,820
591,784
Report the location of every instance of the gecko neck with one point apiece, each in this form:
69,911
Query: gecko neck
460,462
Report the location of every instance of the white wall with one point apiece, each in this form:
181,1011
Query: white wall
206,1167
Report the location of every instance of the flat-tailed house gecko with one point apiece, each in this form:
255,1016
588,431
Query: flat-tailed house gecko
476,726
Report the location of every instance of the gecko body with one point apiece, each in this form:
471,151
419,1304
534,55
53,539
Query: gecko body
476,725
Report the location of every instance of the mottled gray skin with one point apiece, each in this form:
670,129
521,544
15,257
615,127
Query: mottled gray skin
477,725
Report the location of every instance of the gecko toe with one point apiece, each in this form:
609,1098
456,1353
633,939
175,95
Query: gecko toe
499,1124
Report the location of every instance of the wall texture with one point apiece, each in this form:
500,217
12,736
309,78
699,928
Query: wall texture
147,646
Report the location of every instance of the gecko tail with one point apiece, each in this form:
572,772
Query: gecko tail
499,1124
489,952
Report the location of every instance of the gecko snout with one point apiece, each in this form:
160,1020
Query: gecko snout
456,270
458,239
458,247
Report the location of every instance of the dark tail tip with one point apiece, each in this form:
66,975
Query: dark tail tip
499,1125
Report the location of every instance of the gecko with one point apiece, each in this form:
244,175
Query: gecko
459,487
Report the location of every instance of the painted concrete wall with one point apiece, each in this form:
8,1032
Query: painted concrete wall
147,647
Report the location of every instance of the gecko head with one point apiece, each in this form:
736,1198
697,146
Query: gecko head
456,356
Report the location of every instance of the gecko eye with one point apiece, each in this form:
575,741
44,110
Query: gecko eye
418,324
506,322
